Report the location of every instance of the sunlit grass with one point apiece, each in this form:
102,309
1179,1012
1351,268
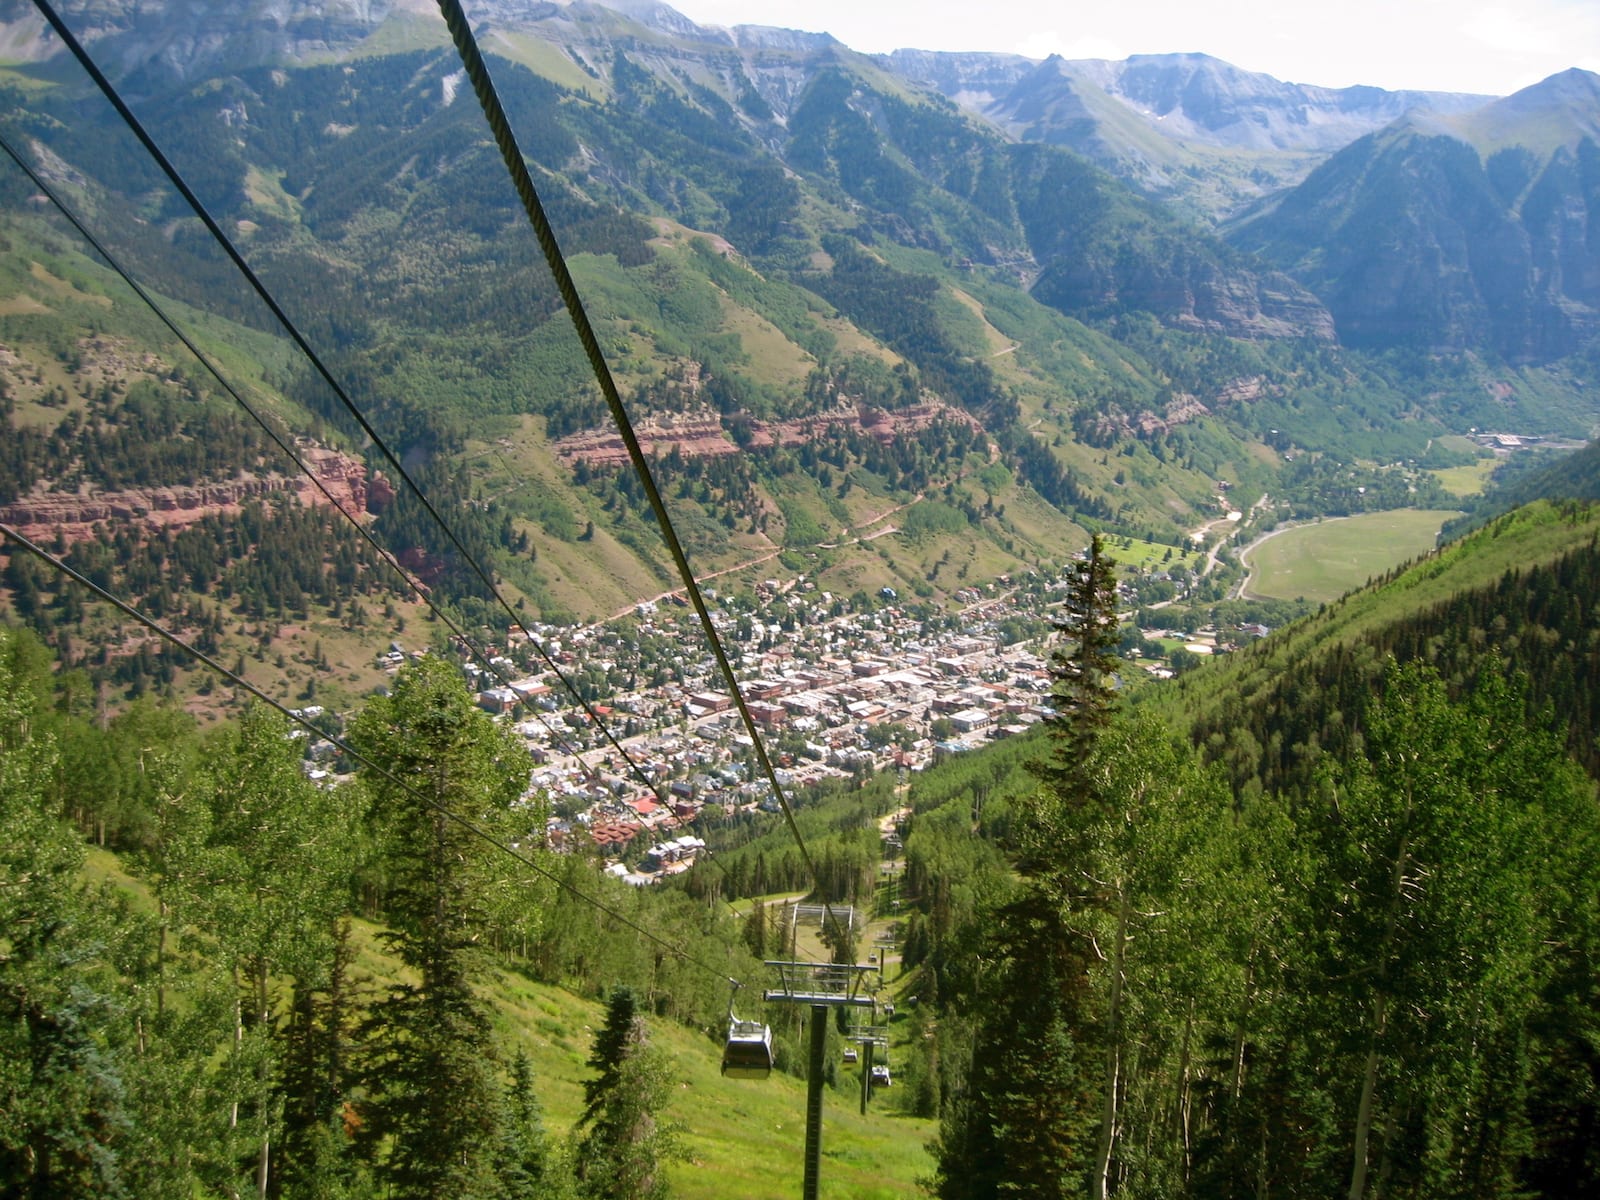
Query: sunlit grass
1323,561
1135,554
1466,481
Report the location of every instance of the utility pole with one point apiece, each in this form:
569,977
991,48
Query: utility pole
869,1037
821,987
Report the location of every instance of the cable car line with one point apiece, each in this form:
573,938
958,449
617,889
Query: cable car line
383,552
244,268
505,139
239,681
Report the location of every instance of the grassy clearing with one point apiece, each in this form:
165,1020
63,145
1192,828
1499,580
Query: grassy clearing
1132,553
772,355
743,1138
1323,561
1466,481
546,59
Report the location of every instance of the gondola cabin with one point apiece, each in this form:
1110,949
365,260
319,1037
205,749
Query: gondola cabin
748,1052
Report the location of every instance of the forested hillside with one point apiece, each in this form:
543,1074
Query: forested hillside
1319,917
775,229
1360,971
1512,599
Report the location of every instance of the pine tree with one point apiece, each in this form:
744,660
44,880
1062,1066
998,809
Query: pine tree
314,1159
61,1094
1025,1123
528,1165
1084,691
624,1141
755,929
1022,1124
432,1122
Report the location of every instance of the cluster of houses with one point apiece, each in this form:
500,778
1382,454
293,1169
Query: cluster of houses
835,689
818,718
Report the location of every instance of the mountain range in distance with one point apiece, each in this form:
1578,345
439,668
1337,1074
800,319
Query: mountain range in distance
1486,199
1136,277
1146,118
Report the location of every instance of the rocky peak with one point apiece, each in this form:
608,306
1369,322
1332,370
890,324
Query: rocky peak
1198,98
652,14
1556,113
768,37
974,81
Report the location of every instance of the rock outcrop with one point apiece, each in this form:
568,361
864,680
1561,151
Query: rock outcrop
705,434
45,513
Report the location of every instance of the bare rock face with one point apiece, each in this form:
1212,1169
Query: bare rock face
1201,99
380,493
1188,290
49,513
185,40
343,480
45,514
1184,407
702,434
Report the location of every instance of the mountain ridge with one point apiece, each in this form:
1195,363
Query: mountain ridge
766,227
1455,232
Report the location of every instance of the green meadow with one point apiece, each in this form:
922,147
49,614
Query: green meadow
1322,561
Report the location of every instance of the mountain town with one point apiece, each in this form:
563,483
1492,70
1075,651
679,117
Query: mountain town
597,605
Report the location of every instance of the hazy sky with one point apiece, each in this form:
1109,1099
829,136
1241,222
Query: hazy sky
1489,46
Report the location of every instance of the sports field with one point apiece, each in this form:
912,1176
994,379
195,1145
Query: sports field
1325,560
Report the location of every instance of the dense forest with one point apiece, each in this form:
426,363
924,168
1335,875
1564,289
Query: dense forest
204,1032
1372,977
1275,724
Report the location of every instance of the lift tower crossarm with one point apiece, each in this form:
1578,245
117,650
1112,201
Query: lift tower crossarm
814,983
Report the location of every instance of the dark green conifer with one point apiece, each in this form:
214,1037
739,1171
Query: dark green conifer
432,1122
623,1140
1084,691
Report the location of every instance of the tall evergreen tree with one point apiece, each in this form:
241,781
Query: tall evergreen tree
1023,1124
1084,669
315,1161
623,1140
432,1119
61,1094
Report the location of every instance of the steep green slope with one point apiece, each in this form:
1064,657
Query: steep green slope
1515,596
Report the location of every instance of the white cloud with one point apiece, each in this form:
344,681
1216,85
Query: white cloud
1519,31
